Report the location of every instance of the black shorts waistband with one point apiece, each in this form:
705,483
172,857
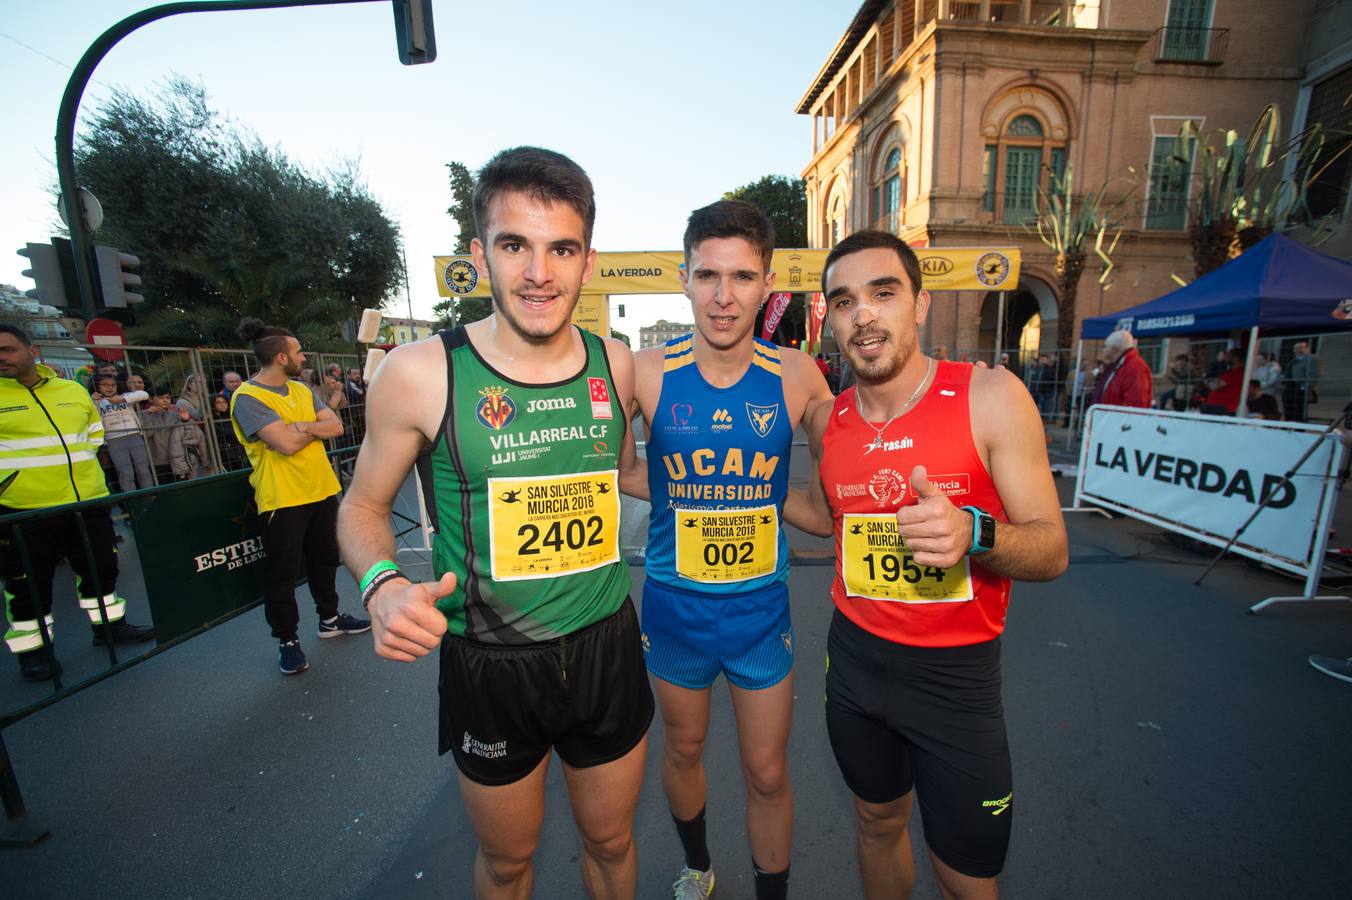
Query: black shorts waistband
545,645
985,651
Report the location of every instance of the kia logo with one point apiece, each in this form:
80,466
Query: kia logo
936,265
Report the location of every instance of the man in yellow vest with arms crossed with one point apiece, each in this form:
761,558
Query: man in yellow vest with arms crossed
282,426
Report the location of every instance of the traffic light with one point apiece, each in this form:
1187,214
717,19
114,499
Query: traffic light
417,42
53,271
115,281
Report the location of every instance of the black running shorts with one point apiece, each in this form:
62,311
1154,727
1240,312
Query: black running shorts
585,695
930,718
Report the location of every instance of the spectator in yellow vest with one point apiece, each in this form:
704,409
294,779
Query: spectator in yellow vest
282,424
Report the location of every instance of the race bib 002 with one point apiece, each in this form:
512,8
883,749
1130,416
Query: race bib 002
726,545
548,526
877,565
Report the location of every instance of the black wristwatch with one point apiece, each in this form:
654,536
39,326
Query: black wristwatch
983,530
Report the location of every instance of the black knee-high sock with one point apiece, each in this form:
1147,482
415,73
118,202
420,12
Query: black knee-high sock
771,885
693,841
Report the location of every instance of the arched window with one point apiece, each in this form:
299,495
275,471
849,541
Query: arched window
889,186
835,221
1023,159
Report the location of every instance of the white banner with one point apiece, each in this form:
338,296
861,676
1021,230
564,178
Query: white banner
1205,475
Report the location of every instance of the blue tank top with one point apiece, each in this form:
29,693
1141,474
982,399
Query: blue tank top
718,472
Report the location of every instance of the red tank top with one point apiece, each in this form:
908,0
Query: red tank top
878,586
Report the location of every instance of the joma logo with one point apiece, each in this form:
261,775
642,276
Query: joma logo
551,403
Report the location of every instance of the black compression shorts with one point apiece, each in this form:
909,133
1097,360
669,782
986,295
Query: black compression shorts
930,718
585,695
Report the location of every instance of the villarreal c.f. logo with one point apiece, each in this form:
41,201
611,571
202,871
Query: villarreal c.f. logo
495,409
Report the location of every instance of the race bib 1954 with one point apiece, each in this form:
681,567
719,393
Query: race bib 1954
877,565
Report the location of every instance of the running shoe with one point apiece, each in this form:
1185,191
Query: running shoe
692,884
343,624
1334,668
291,658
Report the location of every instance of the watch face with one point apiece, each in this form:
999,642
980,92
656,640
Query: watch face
987,531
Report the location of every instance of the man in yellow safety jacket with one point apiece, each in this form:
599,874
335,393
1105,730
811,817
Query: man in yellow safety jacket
50,433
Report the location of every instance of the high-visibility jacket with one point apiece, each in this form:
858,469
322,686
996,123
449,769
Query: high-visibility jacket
49,435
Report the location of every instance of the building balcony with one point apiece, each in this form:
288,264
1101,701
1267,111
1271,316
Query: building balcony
1019,12
1196,46
1009,208
1163,211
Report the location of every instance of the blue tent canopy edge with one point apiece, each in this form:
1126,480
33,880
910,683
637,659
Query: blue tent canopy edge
1275,284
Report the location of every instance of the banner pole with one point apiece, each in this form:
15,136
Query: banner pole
999,328
1243,409
1076,393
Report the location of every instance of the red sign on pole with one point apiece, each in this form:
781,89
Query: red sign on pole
107,333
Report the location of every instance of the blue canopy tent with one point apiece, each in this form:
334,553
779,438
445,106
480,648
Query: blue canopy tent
1277,284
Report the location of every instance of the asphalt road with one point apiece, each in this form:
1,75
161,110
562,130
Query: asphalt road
1166,744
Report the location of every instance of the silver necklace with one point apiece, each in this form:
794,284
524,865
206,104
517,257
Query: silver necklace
877,442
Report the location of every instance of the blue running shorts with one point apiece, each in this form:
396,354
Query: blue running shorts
689,637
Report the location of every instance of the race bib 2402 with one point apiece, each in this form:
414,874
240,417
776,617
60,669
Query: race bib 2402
548,526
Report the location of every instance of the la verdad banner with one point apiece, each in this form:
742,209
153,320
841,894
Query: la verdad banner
1203,476
796,271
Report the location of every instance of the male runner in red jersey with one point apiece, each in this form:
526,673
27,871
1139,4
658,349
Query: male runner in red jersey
933,477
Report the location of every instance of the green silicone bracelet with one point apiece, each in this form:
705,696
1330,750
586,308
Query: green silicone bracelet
384,565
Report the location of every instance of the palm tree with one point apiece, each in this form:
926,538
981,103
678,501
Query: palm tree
278,292
1250,186
1067,224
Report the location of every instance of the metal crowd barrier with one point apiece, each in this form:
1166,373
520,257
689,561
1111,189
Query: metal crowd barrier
206,570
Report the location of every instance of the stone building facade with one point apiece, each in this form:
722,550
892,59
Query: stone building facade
661,331
938,119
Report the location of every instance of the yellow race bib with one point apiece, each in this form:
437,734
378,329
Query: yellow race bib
547,526
876,565
727,545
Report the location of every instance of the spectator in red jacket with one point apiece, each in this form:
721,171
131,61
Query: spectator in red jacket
1126,380
1223,390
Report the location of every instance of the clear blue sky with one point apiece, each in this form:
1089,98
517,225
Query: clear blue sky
666,108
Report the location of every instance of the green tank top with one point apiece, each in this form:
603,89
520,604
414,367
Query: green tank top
522,487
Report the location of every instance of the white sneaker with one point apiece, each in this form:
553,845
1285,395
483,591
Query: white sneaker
692,884
1335,668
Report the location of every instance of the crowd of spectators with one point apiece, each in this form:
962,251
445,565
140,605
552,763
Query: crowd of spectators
1192,381
153,438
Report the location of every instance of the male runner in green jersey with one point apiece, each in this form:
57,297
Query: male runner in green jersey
517,425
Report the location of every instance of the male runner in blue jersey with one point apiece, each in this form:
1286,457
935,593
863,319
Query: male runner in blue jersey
720,408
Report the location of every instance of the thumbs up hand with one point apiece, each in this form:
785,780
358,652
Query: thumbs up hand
937,532
405,621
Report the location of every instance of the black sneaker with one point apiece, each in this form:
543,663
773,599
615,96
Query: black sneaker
344,624
1334,668
37,665
292,659
124,633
